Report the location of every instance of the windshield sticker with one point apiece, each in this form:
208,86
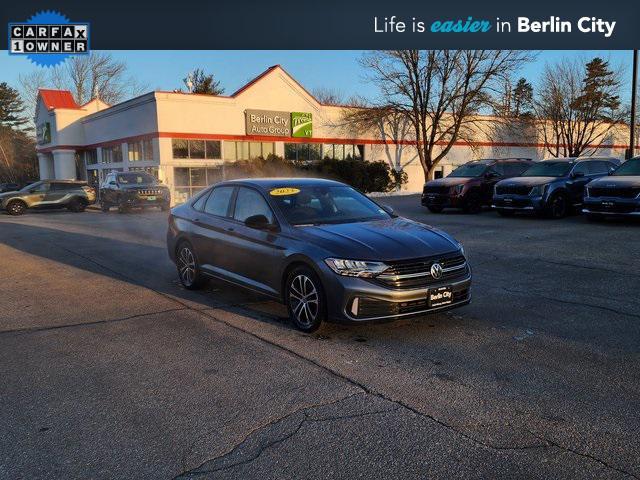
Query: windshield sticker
279,192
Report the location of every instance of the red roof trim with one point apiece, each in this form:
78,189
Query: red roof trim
57,99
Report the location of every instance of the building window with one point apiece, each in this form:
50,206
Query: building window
112,154
304,152
196,149
91,157
340,152
247,150
189,181
142,150
150,170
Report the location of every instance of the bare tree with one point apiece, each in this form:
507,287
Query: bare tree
86,76
329,96
578,106
440,92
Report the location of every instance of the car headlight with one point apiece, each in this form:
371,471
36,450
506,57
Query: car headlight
356,268
537,191
457,188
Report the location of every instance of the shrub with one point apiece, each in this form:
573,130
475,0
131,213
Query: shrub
365,176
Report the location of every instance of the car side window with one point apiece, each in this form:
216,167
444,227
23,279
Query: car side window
582,167
499,168
199,203
60,187
599,168
248,203
42,188
218,202
515,169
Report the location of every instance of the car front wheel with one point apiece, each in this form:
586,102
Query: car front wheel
305,299
558,206
16,208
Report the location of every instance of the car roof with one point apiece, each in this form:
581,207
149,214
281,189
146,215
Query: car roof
269,183
565,159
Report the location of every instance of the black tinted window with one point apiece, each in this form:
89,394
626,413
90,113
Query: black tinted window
582,167
199,203
63,186
514,169
599,168
218,201
248,203
498,168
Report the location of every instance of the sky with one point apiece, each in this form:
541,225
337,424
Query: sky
337,70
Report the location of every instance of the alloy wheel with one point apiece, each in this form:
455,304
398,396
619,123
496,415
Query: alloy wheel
187,266
558,207
304,300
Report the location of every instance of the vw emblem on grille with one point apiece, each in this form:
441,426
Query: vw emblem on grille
436,270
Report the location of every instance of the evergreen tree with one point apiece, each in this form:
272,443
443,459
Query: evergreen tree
199,82
522,98
11,108
599,97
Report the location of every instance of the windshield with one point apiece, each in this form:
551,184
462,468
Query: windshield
30,186
469,170
629,168
548,169
135,178
314,205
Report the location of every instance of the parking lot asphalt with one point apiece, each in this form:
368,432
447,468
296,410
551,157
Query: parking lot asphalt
111,370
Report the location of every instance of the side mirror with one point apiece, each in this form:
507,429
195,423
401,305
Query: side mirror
388,209
259,222
577,174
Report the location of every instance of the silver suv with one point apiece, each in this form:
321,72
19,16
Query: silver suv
47,194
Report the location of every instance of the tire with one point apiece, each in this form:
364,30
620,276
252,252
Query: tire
16,208
435,209
305,299
558,206
104,207
123,209
473,204
76,205
189,273
505,213
164,207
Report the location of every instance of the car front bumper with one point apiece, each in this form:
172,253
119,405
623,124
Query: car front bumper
611,206
442,200
377,303
142,202
521,203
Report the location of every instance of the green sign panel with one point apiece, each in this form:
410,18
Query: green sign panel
301,125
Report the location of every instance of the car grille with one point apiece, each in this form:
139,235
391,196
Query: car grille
416,273
437,189
619,208
621,192
372,308
513,189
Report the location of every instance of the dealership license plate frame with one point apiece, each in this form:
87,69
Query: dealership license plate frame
151,198
440,297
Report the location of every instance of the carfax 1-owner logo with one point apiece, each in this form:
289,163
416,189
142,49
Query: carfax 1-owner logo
48,38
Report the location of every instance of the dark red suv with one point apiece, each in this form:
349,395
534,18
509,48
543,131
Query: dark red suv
470,186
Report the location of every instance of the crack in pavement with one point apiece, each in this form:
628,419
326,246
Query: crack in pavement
82,324
303,412
362,386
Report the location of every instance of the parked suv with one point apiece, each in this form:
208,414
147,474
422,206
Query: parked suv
133,189
470,186
322,248
49,194
550,187
617,194
9,187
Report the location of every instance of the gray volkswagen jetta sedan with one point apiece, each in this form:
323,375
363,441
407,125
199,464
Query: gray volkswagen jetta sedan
322,248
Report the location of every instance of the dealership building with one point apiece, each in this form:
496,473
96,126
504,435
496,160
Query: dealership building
187,139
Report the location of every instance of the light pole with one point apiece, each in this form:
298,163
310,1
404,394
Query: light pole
632,132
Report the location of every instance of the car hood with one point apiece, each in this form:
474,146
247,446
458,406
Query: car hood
448,181
528,181
617,181
384,240
8,194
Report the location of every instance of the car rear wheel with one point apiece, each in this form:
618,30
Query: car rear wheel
164,207
16,207
123,209
76,205
305,299
435,209
188,267
473,204
558,206
104,207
